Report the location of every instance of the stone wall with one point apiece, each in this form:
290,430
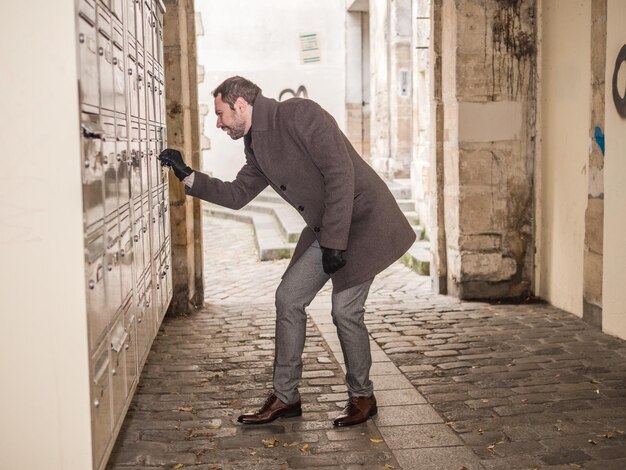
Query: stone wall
488,93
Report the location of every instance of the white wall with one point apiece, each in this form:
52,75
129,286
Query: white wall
614,279
565,114
259,39
44,398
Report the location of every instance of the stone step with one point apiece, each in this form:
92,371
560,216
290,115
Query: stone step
400,188
269,240
277,227
418,257
289,221
419,231
413,217
269,195
406,204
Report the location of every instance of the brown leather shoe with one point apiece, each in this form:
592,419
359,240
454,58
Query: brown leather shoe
357,410
272,409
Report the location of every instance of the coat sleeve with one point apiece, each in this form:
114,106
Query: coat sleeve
235,194
324,143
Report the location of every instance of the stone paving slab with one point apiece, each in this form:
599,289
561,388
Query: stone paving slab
471,385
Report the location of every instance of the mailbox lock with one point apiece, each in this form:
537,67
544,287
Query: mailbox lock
87,163
136,238
96,403
113,371
130,71
119,157
115,60
126,346
92,284
101,50
109,268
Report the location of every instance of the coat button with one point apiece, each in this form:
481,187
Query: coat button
300,208
316,229
283,187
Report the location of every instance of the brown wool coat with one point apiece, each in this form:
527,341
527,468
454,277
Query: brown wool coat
297,148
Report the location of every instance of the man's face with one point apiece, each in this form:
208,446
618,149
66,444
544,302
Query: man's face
232,121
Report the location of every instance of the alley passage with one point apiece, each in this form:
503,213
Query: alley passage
459,384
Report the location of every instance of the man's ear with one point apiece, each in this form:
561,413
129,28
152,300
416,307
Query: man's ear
240,104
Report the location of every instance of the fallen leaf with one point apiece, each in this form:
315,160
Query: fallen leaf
388,465
608,435
594,381
592,442
178,465
620,432
270,442
575,465
304,448
215,426
184,408
376,441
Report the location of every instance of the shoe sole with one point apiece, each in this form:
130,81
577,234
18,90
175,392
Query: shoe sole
288,414
373,412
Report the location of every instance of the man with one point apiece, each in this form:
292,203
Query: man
354,230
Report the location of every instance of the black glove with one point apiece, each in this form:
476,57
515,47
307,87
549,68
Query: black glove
332,260
174,159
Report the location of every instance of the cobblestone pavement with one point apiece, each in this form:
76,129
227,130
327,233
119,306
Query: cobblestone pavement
522,386
207,368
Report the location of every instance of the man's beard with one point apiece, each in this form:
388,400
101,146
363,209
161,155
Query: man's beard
237,130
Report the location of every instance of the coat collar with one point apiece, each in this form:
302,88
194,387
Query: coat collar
263,113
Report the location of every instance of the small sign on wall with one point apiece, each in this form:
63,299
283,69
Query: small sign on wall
404,83
309,48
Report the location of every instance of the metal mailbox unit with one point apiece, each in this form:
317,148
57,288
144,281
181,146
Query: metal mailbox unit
128,280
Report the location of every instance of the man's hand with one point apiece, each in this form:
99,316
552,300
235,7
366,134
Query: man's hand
174,159
332,260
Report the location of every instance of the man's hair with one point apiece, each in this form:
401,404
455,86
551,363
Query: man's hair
235,87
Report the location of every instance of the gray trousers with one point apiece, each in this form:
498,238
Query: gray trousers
297,290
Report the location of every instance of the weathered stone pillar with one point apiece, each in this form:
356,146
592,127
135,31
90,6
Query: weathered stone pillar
183,134
390,55
400,88
379,87
435,194
594,215
488,94
421,97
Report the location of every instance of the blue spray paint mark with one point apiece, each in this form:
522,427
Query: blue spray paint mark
599,137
